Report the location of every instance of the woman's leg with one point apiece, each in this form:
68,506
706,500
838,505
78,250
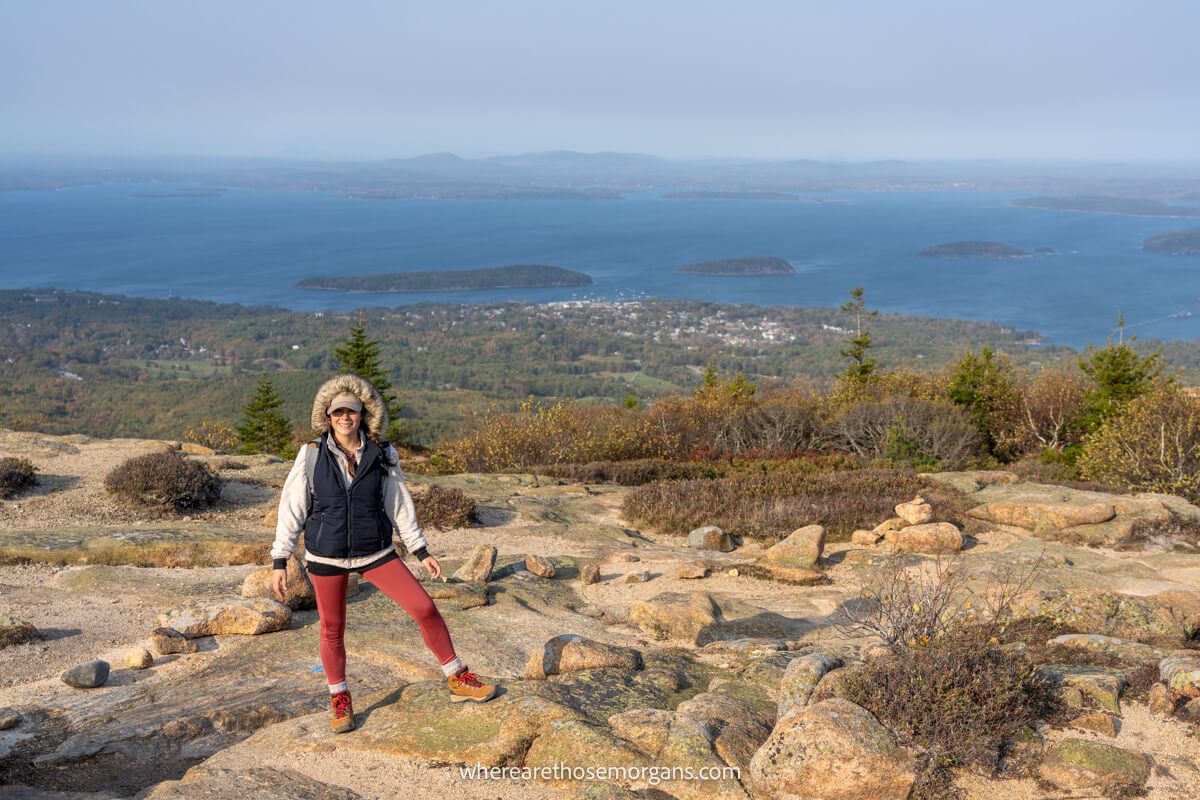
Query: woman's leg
331,608
394,579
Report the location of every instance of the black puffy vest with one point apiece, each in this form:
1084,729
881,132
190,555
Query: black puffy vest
346,522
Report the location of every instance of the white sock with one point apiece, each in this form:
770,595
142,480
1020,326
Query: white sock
334,688
453,667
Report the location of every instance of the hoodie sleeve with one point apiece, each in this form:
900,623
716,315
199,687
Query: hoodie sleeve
399,504
293,510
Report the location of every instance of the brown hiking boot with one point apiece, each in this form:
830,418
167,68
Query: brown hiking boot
341,715
465,686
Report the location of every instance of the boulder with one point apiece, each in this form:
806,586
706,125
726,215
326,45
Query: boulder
248,617
1044,517
833,750
867,538
1160,700
299,593
1163,617
801,549
783,573
1133,651
479,565
87,675
726,727
637,576
1100,722
801,678
168,641
1082,765
1181,674
589,573
540,566
935,538
690,570
709,537
670,615
569,652
9,719
644,728
1101,685
1190,711
138,658
915,511
15,631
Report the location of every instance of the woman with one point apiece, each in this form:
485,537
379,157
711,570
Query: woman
346,491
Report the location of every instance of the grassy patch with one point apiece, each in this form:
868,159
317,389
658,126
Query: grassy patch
145,554
772,504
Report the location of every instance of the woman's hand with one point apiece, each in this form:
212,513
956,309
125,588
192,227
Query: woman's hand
279,583
432,567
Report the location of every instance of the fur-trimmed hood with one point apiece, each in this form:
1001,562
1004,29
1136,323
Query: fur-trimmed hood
376,414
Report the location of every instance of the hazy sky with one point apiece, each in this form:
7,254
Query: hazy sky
1085,79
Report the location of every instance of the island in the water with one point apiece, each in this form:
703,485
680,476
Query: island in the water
974,249
1174,243
515,276
1107,204
750,266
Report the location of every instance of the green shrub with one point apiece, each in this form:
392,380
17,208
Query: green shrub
773,504
443,508
164,480
925,432
16,474
1153,445
961,700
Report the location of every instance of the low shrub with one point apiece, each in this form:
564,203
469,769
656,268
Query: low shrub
1154,445
165,481
961,700
910,431
16,475
443,508
771,505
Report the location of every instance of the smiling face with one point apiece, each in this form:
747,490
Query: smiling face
344,422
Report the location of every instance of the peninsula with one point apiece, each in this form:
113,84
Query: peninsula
1174,243
974,249
1107,204
515,276
750,266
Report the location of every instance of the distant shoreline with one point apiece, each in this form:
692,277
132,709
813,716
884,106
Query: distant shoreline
515,276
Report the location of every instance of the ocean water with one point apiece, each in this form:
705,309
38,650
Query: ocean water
251,247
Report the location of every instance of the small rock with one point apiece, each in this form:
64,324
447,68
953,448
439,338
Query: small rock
1098,722
87,675
671,615
299,595
168,641
9,719
479,565
868,538
710,537
915,512
247,617
1082,765
1181,674
888,527
691,570
641,576
589,573
1161,701
933,537
802,548
569,652
15,631
540,566
877,650
733,573
139,658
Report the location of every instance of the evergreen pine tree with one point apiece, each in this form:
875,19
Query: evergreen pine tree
263,428
360,356
862,368
1119,374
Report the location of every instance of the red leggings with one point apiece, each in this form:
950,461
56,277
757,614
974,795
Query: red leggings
393,579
